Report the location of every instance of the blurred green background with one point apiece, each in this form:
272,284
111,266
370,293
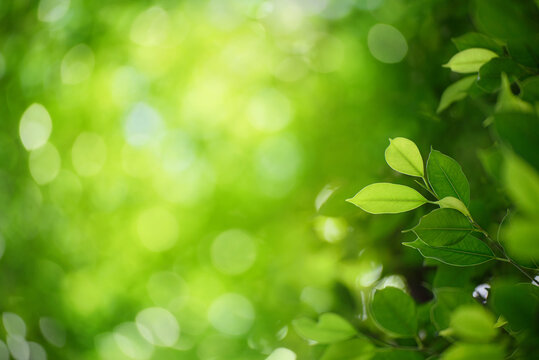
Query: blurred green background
173,173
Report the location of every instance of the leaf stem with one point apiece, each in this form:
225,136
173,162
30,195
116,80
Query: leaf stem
506,257
427,187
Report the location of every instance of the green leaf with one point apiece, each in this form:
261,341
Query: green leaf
461,351
450,202
468,252
490,74
477,40
470,60
443,227
455,92
522,184
508,102
530,89
473,323
402,155
447,178
386,198
397,354
354,349
329,329
520,132
517,303
395,312
522,239
447,300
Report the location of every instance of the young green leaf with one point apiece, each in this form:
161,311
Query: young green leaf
468,252
470,60
455,92
447,178
443,227
477,40
402,155
395,312
473,323
329,329
386,198
462,351
450,202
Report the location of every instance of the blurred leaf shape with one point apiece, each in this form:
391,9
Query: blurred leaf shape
447,300
455,92
462,351
395,312
473,323
330,328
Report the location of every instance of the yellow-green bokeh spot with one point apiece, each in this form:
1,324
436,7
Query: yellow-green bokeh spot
403,156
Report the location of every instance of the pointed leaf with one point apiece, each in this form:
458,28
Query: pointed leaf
386,198
395,312
402,155
455,92
477,40
450,202
447,178
443,227
470,60
468,252
329,329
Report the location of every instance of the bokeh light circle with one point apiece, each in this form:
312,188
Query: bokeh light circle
231,314
158,326
387,44
233,252
44,164
35,126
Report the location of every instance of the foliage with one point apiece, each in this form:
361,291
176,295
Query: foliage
174,177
